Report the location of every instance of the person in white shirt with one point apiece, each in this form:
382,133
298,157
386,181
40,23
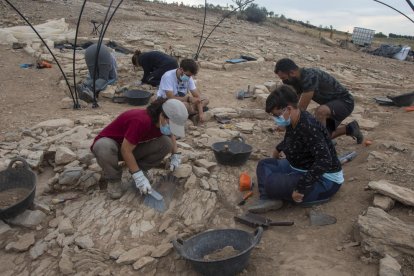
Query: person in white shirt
179,84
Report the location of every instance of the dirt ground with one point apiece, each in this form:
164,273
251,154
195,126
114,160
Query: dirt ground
29,96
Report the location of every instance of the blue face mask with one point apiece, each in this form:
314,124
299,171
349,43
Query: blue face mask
281,121
165,129
184,78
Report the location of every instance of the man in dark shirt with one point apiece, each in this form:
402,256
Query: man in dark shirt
154,64
311,171
336,103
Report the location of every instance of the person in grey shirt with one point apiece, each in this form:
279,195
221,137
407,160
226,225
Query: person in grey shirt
105,71
336,102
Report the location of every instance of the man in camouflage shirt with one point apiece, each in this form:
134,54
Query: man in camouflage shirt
336,103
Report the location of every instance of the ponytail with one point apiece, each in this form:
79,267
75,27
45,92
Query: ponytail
155,109
135,56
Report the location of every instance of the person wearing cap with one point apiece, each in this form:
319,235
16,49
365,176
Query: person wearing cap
336,102
141,138
179,84
105,72
311,172
154,64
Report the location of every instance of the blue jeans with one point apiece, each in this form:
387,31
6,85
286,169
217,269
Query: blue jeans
277,180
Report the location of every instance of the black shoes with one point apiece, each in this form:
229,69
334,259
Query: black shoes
352,129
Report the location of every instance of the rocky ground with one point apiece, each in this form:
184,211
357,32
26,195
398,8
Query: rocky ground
73,228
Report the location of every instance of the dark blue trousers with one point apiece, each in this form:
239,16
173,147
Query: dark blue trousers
277,180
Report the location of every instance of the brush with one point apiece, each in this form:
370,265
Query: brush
155,200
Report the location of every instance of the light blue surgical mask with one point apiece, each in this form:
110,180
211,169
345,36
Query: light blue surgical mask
281,121
165,129
184,78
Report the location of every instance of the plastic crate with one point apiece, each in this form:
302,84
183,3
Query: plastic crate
362,36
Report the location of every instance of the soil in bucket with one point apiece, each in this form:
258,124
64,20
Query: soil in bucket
223,253
12,196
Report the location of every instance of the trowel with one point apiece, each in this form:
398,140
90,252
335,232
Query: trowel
255,220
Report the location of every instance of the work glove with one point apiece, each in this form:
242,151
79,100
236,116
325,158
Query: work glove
142,182
175,161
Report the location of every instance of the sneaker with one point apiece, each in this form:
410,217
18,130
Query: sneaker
114,189
265,205
85,94
352,129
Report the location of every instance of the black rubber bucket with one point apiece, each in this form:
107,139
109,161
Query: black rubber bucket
195,248
17,177
138,97
232,153
403,100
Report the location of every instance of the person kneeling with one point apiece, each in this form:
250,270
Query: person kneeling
142,138
311,171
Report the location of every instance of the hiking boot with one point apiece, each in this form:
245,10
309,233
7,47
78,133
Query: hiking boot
114,189
352,129
265,205
85,94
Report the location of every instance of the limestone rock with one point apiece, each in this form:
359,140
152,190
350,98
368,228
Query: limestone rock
389,267
22,244
35,158
65,227
89,179
162,250
191,182
70,176
28,218
211,65
270,85
114,254
197,206
143,262
253,113
135,254
56,123
183,171
213,184
84,242
65,265
64,156
165,225
401,194
380,234
4,228
205,164
204,184
37,250
245,127
109,92
384,202
200,172
261,87
85,156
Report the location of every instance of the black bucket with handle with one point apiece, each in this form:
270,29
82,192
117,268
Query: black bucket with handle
197,247
17,177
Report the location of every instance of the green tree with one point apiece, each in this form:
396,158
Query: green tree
255,14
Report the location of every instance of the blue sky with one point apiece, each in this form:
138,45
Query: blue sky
342,15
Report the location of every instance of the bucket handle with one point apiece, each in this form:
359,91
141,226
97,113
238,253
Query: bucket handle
16,159
257,235
238,139
178,245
